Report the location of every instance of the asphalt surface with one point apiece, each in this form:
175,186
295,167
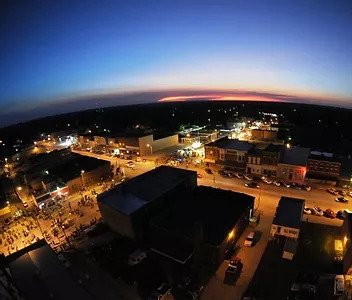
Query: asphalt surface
267,197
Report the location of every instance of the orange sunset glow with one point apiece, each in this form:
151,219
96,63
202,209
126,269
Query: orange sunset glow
227,97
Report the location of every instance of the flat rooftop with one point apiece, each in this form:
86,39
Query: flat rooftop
296,156
217,210
289,212
72,167
133,194
226,143
273,148
38,273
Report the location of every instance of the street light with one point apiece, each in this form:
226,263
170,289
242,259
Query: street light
151,148
19,188
82,173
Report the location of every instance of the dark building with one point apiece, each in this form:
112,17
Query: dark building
128,207
230,152
264,161
346,231
35,272
62,171
292,164
287,223
204,225
323,166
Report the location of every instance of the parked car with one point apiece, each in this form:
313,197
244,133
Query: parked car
199,175
341,193
266,180
249,177
252,184
138,159
25,204
286,184
277,183
222,173
194,291
296,186
318,211
306,187
159,294
136,257
130,164
339,285
208,171
332,191
307,211
341,199
305,285
250,239
341,215
238,175
233,270
329,213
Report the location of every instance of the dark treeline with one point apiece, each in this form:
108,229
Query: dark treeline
318,127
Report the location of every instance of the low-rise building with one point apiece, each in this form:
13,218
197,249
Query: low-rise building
132,143
346,233
292,164
288,218
61,172
287,223
322,165
264,135
204,225
229,152
203,136
264,161
128,207
37,273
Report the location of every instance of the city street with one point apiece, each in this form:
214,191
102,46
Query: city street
267,197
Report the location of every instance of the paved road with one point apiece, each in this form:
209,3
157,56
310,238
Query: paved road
267,198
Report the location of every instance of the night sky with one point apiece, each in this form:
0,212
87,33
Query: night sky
54,53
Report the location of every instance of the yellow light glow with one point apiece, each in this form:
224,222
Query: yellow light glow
231,234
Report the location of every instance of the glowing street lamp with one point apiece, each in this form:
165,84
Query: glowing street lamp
82,173
19,188
151,148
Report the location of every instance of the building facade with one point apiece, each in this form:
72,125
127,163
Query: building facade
229,152
323,166
292,166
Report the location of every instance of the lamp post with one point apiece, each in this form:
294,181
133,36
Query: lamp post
82,176
151,148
